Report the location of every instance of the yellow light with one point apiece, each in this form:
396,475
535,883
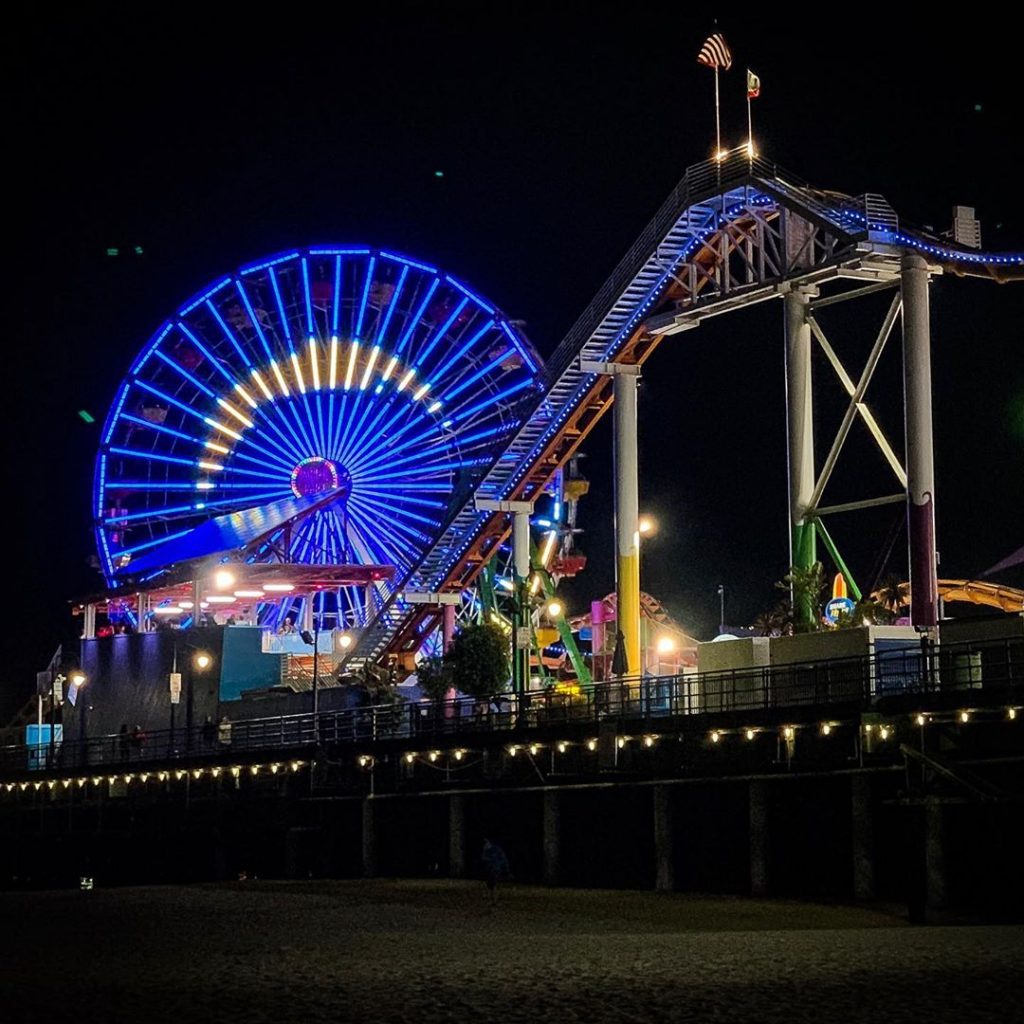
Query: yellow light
223,579
66,783
296,765
162,776
534,584
78,678
279,588
420,392
549,546
254,769
458,755
249,593
788,732
555,608
363,760
232,411
750,734
215,772
434,755
236,771
215,467
219,599
561,748
353,354
214,447
648,741
82,782
53,783
281,383
298,373
223,429
262,384
591,745
274,769
666,645
965,716
534,748
314,362
721,155
1011,713
513,750
920,720
621,742
750,149
647,525
197,773
390,369
368,372
715,736
179,774
345,641
333,378
826,729
404,382
246,397
883,731
409,758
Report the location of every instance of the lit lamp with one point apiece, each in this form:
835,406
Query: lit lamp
203,661
554,609
647,525
344,642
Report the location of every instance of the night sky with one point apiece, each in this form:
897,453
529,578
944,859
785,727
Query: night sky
210,142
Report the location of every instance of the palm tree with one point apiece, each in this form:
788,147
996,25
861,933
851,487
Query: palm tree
807,586
891,594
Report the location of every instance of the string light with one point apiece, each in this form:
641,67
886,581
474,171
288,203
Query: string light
826,729
750,734
562,746
591,745
965,716
409,758
235,770
533,749
920,719
364,760
649,741
788,732
715,735
434,755
512,750
883,731
621,742
458,755
1011,713
254,769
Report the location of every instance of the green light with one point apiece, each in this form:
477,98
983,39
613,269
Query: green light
84,415
113,251
977,108
438,174
138,250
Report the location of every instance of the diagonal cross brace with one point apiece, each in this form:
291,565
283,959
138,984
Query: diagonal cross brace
856,402
865,413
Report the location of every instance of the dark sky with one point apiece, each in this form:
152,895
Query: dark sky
211,141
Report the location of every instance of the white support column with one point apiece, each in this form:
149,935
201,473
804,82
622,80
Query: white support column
627,519
800,422
917,399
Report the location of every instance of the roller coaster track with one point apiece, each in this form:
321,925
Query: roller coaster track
731,233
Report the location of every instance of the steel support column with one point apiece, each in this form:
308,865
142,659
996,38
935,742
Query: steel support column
627,519
800,438
917,400
521,563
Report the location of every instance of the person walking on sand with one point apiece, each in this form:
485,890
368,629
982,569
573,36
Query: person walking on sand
495,865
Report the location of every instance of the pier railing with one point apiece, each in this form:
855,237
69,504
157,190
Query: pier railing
912,677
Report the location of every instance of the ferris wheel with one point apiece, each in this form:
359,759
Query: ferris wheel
351,370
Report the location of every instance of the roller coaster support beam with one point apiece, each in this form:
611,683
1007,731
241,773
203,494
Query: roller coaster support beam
800,438
522,634
448,602
917,398
627,506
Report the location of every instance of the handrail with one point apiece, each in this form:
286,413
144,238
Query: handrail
856,683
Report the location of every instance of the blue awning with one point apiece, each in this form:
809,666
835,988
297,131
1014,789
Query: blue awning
228,533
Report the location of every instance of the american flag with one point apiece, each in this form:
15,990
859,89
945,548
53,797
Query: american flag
715,53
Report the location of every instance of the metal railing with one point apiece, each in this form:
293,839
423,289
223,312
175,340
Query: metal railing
641,703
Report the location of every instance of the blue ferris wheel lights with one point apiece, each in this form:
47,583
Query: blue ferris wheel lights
229,334
198,300
469,293
408,262
366,295
274,261
280,308
184,373
440,333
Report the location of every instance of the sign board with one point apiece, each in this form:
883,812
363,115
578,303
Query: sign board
175,687
838,606
524,637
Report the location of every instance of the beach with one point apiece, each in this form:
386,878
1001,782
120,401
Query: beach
434,950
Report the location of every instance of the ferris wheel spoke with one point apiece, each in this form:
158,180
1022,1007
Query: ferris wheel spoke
432,341
373,515
460,353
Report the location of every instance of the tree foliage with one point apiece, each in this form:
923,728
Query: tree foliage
478,660
434,676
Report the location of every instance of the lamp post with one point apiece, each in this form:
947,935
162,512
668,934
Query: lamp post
78,680
721,608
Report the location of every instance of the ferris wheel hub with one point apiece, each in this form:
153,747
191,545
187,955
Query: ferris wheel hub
317,475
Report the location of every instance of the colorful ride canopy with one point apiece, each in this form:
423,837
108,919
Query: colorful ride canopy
341,369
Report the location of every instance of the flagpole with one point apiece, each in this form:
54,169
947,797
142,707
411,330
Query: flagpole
718,129
750,131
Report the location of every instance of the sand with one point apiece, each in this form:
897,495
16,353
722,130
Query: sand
435,951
